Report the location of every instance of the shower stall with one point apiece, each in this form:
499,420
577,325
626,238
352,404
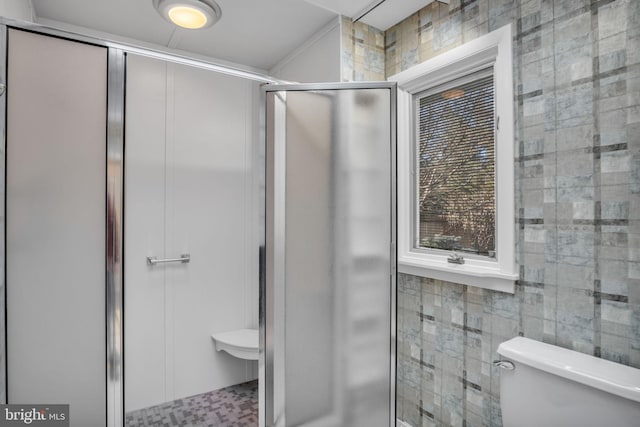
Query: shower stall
273,204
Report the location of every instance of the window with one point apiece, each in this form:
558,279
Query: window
455,165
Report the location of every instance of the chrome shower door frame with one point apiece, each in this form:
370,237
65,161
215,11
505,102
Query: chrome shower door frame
272,246
3,260
115,237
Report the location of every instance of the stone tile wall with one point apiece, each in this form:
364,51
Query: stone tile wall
362,53
577,105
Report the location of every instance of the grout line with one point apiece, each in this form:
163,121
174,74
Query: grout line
597,180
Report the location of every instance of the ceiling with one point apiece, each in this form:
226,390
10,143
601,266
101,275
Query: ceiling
253,33
381,14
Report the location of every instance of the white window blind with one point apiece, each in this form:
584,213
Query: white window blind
456,188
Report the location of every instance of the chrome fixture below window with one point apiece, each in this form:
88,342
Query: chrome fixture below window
454,258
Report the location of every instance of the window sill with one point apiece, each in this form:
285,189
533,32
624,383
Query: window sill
487,276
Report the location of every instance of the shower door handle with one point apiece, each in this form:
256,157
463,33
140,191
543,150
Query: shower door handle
184,258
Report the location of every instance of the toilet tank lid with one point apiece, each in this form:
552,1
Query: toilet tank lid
621,380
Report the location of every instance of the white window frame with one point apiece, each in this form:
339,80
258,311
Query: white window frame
499,273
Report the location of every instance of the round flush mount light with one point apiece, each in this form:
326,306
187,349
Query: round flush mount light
191,14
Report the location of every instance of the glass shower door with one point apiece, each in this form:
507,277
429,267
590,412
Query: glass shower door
328,291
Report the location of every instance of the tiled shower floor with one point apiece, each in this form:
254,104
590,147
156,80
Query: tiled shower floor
234,406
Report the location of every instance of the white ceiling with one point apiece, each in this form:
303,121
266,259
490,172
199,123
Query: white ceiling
349,8
256,33
391,12
381,14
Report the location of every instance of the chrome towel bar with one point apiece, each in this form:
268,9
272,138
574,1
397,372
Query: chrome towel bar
184,258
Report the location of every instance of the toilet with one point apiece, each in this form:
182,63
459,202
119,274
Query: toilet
546,385
241,343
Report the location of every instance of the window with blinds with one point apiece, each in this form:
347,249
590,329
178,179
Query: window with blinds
456,179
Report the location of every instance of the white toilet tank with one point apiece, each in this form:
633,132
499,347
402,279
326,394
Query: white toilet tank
552,386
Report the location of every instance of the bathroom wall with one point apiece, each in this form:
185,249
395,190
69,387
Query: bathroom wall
188,189
577,105
362,52
315,60
17,9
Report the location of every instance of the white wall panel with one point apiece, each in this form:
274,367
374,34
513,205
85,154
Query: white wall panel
17,9
56,224
316,60
189,182
144,319
207,174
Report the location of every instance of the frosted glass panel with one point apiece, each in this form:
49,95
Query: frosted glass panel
329,231
56,168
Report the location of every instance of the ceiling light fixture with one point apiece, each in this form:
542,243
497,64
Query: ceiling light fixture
191,14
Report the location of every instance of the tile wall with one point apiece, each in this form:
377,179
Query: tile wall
577,105
362,55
